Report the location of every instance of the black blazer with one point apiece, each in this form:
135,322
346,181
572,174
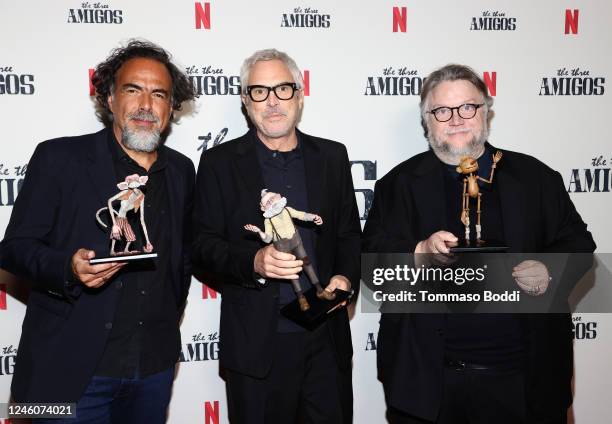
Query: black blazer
64,334
538,216
229,183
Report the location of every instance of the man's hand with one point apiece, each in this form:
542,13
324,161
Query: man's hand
270,263
92,276
436,243
317,220
435,250
338,282
532,277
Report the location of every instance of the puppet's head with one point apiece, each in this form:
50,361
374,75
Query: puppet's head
271,203
467,165
132,181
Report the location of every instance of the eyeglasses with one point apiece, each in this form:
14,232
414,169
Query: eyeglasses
284,91
465,111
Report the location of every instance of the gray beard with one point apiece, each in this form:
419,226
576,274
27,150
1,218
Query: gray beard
141,141
451,155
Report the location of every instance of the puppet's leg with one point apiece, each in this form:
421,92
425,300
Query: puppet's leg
465,213
148,247
286,246
297,288
300,253
478,227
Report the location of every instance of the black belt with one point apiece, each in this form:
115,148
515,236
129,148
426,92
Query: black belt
462,366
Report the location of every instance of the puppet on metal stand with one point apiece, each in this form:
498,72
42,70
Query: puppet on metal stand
131,199
469,166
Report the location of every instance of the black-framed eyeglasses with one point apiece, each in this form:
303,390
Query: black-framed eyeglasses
465,111
284,91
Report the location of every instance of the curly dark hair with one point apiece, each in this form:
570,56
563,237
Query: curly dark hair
103,78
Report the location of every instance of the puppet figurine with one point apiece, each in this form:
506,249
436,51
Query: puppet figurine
469,166
280,230
131,199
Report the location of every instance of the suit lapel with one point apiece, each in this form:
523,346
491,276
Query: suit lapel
176,206
100,168
247,167
314,166
512,202
430,201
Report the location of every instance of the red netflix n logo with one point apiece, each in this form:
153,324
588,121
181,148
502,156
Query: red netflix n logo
490,79
571,21
207,292
202,15
400,19
211,412
3,297
306,77
92,89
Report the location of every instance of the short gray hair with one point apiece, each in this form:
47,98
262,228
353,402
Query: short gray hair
269,54
451,72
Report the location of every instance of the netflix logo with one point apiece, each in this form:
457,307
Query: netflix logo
490,79
571,21
400,19
208,293
211,412
306,77
202,15
2,297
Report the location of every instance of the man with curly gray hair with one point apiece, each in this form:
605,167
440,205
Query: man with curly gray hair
105,336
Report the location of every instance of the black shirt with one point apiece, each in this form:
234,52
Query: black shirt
487,339
284,173
145,337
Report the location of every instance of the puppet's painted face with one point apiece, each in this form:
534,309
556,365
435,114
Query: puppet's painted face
273,118
268,201
467,166
133,181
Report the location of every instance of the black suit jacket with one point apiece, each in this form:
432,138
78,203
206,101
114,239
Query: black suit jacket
229,183
538,216
65,332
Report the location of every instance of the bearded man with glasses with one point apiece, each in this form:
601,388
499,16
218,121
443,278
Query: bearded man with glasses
275,370
469,368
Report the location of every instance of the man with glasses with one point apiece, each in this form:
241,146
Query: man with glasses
468,368
277,371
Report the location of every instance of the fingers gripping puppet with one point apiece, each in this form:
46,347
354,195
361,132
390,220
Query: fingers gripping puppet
280,230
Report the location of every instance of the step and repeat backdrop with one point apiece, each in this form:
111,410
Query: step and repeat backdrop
546,63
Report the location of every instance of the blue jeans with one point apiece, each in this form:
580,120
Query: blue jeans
122,400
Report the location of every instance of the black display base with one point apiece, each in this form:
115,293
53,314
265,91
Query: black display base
319,308
122,258
485,246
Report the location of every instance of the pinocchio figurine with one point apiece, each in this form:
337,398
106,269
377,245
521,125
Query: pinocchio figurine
469,166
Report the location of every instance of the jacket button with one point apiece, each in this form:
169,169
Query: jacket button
108,325
119,284
440,332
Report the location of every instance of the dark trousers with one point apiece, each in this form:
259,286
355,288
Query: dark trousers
109,400
476,397
304,385
295,246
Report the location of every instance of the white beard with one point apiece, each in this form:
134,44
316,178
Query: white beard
275,208
452,155
140,140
